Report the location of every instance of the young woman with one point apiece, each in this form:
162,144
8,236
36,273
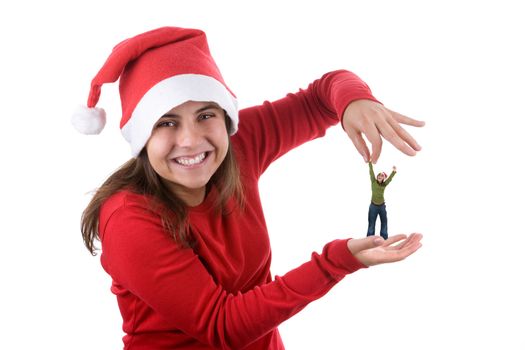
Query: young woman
377,204
181,226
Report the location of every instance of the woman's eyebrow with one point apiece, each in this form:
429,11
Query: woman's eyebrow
208,106
170,115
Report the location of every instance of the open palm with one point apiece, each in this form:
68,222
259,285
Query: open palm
374,250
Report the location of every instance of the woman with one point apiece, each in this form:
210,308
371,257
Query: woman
181,226
377,204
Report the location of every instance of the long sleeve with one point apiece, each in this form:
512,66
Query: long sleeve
268,131
387,181
220,293
173,281
371,171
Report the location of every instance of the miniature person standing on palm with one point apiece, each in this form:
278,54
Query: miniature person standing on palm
378,206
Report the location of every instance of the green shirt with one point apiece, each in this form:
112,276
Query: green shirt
378,190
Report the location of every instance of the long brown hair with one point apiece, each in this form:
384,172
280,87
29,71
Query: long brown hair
138,175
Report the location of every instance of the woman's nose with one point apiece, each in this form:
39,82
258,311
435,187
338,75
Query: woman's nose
187,135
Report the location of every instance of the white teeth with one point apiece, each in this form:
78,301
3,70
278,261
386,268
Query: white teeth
191,161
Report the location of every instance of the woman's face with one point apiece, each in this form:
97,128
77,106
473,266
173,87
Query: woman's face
186,147
380,178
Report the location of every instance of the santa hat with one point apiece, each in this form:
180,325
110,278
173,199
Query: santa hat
158,71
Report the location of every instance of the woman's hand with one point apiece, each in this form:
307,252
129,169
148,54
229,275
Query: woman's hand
374,250
375,121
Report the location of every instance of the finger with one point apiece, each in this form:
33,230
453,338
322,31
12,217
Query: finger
414,238
410,248
400,245
394,239
405,136
374,137
388,132
400,254
359,144
403,119
359,244
411,244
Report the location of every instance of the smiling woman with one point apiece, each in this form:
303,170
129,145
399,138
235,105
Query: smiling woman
157,171
186,148
181,224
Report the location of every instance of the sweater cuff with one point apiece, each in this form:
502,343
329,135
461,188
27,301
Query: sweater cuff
339,255
347,89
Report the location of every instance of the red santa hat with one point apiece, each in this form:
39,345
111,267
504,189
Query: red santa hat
158,71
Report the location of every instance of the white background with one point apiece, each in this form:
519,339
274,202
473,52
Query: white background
458,65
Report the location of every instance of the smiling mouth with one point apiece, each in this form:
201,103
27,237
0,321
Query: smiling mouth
189,161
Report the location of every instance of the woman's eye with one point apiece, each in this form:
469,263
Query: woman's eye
165,124
205,116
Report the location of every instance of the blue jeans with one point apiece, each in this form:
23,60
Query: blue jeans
373,212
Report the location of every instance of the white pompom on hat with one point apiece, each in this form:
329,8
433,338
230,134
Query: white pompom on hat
89,121
157,71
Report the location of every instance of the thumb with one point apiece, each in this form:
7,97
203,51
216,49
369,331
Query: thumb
357,245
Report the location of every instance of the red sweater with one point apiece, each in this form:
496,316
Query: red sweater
220,294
